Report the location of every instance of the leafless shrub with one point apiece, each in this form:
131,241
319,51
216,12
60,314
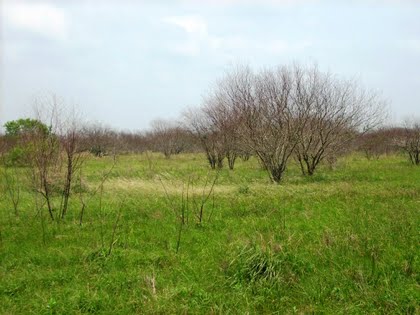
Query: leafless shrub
375,143
131,142
45,154
60,146
411,141
225,125
168,137
207,134
180,210
190,202
71,144
98,139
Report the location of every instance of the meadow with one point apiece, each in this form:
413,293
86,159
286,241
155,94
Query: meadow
157,238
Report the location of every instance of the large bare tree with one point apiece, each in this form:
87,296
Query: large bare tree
411,140
266,118
335,111
287,110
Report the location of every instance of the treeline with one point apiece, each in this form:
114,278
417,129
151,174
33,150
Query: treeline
101,140
172,138
281,114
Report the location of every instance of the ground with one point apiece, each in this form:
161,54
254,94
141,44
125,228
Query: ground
343,241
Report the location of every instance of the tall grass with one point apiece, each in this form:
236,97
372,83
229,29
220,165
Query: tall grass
345,241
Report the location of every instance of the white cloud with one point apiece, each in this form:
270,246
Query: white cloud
199,39
40,18
197,34
194,25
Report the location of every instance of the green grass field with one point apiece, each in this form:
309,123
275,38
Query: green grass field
345,241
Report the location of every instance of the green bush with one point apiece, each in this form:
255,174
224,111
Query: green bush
17,156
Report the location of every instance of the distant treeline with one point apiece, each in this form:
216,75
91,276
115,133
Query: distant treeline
280,114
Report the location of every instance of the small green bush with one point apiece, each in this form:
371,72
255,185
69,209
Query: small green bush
17,156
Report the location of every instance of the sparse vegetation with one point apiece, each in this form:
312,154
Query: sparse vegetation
342,241
98,221
210,157
411,141
280,112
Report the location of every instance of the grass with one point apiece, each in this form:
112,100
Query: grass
345,241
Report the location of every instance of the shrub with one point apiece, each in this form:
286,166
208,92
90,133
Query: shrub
16,156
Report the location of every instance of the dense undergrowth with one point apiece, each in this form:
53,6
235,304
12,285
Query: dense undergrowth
343,241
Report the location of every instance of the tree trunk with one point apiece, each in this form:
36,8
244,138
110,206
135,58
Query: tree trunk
231,160
67,186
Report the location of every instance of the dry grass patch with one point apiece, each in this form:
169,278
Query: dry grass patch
154,186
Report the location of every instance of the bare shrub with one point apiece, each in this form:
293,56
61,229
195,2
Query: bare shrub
190,202
45,161
57,149
72,147
411,141
225,125
168,137
375,143
99,139
209,137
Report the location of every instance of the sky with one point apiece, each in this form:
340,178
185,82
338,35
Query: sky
125,63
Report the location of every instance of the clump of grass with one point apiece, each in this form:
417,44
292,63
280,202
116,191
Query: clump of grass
270,266
244,189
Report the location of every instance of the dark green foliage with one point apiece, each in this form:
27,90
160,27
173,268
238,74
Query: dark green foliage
16,156
20,135
24,126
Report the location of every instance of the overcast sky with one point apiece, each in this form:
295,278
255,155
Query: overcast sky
125,63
